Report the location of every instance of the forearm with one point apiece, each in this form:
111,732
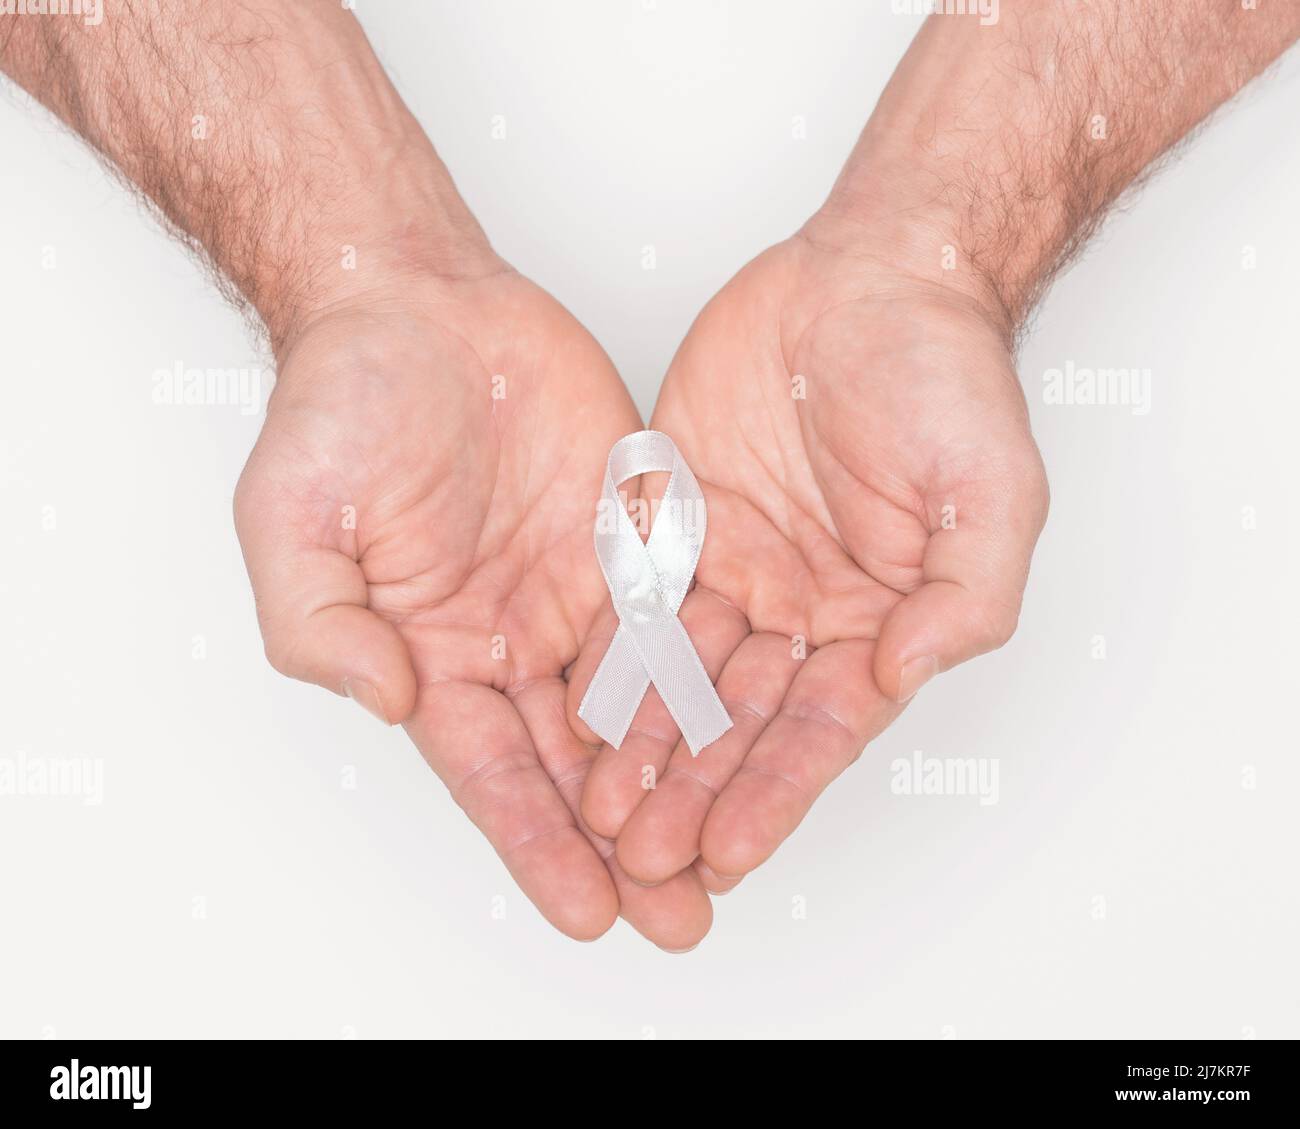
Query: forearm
266,133
1007,143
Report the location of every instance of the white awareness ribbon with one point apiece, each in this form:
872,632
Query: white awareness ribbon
647,582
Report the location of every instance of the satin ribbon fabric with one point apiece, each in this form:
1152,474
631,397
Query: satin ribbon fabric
647,583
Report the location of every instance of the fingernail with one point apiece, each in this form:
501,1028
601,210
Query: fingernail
365,696
915,674
679,952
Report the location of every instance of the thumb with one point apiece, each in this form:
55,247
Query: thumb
311,606
974,574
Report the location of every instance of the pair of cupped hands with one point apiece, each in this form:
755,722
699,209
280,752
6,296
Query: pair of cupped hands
417,520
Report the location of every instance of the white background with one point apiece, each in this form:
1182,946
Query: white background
325,911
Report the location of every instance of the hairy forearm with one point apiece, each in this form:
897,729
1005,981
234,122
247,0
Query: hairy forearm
1006,143
267,135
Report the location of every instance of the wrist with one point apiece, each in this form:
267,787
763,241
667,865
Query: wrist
889,225
938,174
401,230
327,190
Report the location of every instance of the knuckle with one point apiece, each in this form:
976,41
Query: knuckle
997,623
1041,497
279,651
242,502
1036,495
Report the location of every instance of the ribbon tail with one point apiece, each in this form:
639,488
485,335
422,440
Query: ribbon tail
616,690
674,665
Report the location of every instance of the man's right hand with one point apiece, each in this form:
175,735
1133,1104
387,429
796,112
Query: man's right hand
416,519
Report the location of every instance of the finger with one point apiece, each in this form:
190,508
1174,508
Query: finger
713,882
476,741
832,710
662,836
311,606
974,576
674,916
620,778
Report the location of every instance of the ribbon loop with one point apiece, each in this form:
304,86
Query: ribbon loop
647,583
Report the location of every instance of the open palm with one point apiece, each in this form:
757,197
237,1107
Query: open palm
416,519
873,499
